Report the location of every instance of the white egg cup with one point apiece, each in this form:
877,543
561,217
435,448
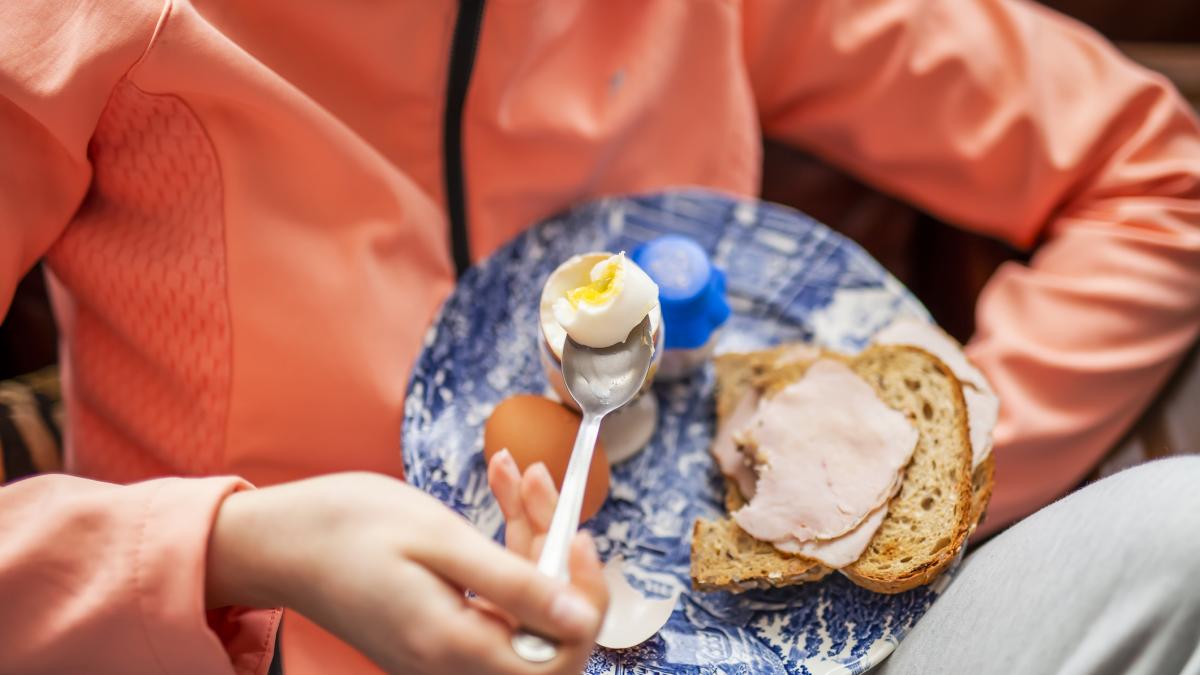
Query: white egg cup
628,429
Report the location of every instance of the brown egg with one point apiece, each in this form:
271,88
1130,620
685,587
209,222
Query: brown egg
536,429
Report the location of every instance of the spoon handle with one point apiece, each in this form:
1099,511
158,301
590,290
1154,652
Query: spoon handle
553,561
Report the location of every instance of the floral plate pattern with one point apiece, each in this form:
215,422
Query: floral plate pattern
789,278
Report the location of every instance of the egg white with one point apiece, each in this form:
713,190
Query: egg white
608,322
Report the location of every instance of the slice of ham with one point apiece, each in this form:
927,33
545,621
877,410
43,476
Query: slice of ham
983,406
724,448
833,454
730,459
907,330
841,551
983,409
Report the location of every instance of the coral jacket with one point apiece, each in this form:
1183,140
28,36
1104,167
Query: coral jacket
251,210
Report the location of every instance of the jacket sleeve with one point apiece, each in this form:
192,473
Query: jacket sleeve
1019,124
102,578
94,577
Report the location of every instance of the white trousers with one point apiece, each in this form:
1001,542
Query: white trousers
1106,580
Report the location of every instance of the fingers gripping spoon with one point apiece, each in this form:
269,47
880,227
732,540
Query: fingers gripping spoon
600,381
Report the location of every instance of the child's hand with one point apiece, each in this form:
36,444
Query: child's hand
384,566
527,503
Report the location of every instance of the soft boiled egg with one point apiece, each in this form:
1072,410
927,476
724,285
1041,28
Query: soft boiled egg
536,429
571,274
614,299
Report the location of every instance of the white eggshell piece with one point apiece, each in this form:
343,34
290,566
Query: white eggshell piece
632,617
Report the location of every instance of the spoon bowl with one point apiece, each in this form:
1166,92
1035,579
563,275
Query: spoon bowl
604,379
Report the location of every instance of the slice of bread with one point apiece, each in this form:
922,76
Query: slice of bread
736,372
929,519
938,505
735,375
725,558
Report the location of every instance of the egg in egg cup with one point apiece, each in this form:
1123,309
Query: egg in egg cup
627,430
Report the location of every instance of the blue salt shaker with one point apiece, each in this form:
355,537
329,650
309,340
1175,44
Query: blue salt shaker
691,293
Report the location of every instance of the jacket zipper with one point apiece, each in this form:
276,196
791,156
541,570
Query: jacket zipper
462,61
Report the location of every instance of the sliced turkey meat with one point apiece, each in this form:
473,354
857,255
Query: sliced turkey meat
841,551
724,448
833,454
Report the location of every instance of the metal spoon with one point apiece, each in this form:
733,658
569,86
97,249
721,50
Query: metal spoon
600,381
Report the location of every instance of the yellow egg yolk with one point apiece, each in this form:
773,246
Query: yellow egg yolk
599,291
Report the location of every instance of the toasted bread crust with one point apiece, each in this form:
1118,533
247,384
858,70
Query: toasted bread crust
890,370
725,558
981,487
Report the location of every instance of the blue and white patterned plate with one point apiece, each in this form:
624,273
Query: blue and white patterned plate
789,278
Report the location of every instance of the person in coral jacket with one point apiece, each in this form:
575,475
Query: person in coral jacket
250,211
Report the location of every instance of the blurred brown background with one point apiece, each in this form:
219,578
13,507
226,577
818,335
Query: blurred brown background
1144,20
1162,34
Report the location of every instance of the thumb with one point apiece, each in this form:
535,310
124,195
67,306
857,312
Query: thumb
587,579
549,606
587,575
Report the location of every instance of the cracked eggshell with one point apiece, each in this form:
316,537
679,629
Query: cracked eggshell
632,618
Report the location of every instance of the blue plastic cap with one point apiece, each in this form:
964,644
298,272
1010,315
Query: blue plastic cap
691,290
